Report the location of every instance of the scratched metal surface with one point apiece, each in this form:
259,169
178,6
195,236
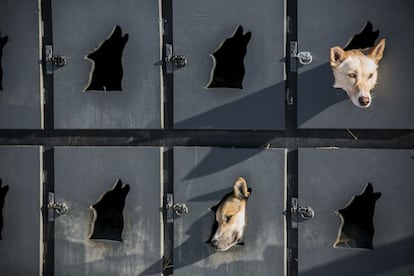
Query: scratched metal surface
328,179
322,106
199,28
20,247
202,176
78,28
20,98
92,172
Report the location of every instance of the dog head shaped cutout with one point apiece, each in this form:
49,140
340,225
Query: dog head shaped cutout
107,71
108,221
231,217
357,228
228,61
355,66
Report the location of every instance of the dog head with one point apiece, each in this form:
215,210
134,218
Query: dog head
356,72
231,217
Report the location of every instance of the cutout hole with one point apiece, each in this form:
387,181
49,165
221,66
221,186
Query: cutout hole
357,228
3,192
107,72
3,41
365,39
228,61
108,222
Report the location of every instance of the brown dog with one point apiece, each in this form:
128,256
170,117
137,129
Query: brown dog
231,217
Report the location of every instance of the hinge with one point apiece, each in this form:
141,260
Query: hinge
163,24
44,177
289,97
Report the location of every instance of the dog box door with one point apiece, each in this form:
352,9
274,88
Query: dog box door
323,24
328,180
20,210
199,28
19,65
82,177
126,87
202,176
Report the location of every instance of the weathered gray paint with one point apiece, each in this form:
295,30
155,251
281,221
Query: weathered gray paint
324,24
202,176
78,28
20,246
199,28
20,98
328,179
320,105
82,175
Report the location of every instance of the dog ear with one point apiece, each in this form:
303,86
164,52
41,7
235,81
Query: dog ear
376,52
337,56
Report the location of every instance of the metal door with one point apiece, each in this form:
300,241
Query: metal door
20,68
323,24
202,176
20,243
93,172
198,30
328,179
79,27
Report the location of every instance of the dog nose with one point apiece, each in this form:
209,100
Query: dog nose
213,242
363,100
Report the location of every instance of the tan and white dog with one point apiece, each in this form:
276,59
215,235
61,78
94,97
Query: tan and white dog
355,71
231,217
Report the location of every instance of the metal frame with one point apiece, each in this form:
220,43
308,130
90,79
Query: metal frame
291,138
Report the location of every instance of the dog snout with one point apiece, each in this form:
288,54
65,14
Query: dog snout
213,242
363,100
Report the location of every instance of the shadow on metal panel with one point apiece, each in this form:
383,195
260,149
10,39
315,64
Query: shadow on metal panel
256,111
214,162
371,262
190,254
322,94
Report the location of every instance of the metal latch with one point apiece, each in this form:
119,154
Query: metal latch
177,208
52,60
173,61
59,208
303,57
299,213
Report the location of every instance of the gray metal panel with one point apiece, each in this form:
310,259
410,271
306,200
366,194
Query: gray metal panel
328,179
202,176
82,175
320,105
20,98
20,246
80,26
199,28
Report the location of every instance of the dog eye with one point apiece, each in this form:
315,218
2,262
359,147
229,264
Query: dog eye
352,75
228,218
370,76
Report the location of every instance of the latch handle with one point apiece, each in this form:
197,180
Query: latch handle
303,57
179,209
59,208
173,61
